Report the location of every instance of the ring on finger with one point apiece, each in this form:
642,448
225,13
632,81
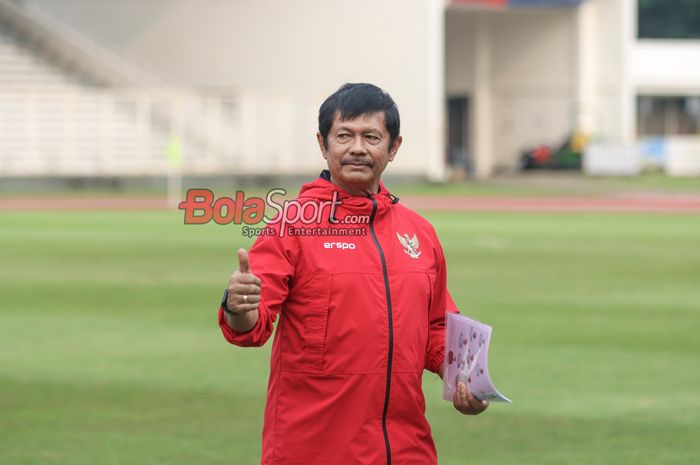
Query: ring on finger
245,299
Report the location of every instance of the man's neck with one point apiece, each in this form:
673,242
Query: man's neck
356,191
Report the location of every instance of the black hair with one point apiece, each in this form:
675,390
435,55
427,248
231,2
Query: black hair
355,99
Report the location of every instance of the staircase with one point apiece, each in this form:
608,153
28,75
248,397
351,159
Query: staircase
71,108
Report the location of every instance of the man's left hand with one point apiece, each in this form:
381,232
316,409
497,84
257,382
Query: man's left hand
466,402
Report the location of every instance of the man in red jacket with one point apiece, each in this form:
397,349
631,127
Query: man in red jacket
361,314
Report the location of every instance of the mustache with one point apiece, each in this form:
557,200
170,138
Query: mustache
356,162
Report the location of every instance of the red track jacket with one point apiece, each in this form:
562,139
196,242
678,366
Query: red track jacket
360,318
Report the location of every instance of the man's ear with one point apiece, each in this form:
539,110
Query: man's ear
321,144
395,148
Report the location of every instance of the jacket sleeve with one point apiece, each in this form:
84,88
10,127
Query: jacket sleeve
272,259
441,303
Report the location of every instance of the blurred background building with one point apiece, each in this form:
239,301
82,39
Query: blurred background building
134,89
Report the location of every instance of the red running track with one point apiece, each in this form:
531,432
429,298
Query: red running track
626,204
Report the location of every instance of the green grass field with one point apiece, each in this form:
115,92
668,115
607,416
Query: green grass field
528,184
110,352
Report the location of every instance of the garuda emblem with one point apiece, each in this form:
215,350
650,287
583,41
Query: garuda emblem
410,244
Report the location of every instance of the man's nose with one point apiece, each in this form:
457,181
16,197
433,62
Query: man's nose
358,146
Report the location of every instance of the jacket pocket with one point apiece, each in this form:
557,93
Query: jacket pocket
315,322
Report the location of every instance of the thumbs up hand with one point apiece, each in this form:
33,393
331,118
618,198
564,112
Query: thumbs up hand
243,287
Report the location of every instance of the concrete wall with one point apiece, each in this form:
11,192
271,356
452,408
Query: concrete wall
531,71
533,80
301,50
460,52
666,66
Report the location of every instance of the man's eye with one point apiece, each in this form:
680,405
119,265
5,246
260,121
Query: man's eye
372,138
343,136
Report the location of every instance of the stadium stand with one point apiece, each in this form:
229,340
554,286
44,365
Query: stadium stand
70,108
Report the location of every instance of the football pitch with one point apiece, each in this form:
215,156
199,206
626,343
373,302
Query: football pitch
110,351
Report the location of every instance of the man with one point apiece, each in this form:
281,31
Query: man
360,316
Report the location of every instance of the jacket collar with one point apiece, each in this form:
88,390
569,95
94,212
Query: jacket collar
323,189
326,175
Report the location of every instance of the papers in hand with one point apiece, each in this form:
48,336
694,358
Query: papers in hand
466,359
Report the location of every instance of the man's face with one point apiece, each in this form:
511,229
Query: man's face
358,151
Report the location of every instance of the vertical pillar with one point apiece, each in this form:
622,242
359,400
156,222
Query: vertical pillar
585,119
481,118
436,90
628,103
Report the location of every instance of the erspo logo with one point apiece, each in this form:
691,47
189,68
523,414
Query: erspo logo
339,245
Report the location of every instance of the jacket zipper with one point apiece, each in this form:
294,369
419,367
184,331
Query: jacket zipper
391,329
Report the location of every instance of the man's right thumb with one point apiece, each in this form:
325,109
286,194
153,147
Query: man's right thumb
243,263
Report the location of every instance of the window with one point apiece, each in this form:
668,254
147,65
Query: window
668,19
661,116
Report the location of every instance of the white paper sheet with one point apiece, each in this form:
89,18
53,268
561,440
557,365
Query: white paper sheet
466,358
